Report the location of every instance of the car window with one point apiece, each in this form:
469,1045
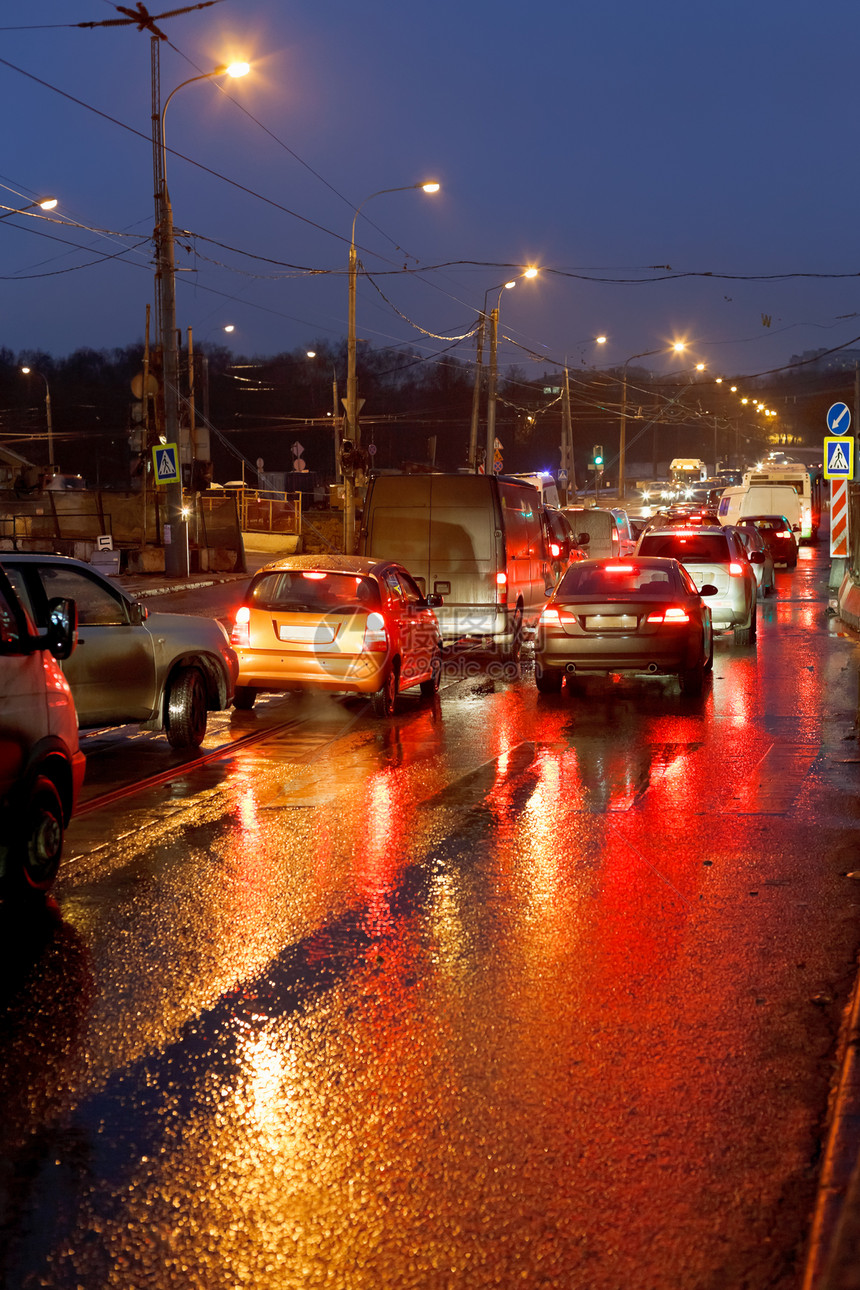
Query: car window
696,548
314,591
21,589
592,579
98,605
410,590
10,628
392,582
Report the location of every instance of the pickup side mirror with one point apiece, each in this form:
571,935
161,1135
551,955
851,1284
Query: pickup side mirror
62,634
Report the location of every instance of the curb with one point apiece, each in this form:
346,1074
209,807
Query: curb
831,1261
163,588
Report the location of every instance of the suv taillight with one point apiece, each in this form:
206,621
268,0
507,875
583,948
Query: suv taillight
375,635
736,569
241,633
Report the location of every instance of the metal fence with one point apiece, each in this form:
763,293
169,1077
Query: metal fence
262,511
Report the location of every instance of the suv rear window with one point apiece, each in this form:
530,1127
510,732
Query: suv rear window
311,591
692,548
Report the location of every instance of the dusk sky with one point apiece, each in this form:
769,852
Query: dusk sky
599,141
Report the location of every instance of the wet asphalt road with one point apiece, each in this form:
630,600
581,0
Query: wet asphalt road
508,992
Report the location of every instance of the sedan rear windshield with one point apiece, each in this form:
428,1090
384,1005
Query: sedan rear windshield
315,591
619,580
695,548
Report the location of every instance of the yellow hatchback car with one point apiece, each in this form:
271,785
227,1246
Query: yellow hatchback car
345,624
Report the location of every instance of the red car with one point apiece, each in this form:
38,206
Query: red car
777,535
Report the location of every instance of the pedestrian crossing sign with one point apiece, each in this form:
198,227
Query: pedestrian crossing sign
838,457
165,461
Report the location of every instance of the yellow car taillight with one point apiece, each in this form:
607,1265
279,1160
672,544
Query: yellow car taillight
241,633
375,635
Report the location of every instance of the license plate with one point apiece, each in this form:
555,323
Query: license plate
596,622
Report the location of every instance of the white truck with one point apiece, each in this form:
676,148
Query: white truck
688,470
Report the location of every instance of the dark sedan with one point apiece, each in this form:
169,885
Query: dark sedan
640,614
776,533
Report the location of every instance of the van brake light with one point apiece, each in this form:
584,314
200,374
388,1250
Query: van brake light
501,588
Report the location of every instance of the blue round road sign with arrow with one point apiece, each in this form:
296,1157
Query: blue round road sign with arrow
838,418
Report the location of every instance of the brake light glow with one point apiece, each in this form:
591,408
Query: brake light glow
555,550
501,588
618,568
550,618
241,633
375,635
736,569
672,615
783,533
314,576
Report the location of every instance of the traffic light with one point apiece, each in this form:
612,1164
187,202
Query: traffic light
597,455
347,457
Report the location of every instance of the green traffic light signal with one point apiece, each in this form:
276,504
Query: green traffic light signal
597,454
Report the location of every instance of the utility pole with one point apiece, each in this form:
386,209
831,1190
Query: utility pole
476,396
489,465
567,436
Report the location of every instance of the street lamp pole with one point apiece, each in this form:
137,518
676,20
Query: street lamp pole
351,432
27,371
44,203
176,550
676,348
494,366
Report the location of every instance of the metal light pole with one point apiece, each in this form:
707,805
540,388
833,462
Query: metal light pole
677,348
351,430
27,371
494,369
176,550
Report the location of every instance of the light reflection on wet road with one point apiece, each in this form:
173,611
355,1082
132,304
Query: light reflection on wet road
511,991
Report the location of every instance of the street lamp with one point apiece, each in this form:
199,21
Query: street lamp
479,372
28,371
350,430
44,203
176,551
676,348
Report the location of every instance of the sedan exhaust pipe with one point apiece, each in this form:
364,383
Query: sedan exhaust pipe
652,667
570,668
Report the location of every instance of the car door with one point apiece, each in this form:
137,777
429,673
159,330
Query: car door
423,629
112,671
399,617
23,702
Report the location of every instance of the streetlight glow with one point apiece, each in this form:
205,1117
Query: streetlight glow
530,273
430,188
238,69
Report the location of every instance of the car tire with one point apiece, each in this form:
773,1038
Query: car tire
186,709
33,857
548,680
709,661
512,650
385,700
746,635
430,688
244,697
693,679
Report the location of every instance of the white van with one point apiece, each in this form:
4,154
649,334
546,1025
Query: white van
543,481
41,764
760,499
480,542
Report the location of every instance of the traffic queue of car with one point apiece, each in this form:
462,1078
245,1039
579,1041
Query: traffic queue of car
446,560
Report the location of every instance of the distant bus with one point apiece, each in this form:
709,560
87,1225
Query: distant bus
805,482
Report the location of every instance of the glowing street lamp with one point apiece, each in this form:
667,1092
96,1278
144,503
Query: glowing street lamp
677,347
176,552
30,371
43,203
350,429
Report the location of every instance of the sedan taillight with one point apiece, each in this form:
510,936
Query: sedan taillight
550,618
375,635
241,633
672,615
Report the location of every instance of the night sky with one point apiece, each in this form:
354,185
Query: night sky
600,141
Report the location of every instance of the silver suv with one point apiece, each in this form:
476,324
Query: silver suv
165,671
717,556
